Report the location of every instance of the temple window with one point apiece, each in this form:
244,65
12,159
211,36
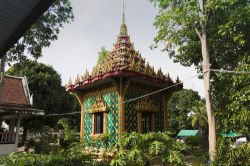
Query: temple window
98,123
99,110
146,110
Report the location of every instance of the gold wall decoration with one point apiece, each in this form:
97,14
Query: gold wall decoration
82,123
145,104
99,105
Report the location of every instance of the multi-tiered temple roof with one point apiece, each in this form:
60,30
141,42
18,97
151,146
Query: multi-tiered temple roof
122,61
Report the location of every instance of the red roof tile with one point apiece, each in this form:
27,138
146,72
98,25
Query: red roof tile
12,91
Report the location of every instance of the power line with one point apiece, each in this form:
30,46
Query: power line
128,100
229,71
154,92
213,70
71,113
160,90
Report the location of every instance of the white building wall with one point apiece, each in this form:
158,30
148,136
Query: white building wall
7,148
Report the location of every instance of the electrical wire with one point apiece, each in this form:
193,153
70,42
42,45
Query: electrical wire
214,70
160,90
70,113
154,92
229,71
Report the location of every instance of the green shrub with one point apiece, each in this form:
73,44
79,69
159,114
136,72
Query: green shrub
232,156
144,149
74,156
42,147
197,150
46,135
194,141
69,132
44,144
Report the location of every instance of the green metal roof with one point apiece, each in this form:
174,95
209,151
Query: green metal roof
186,133
229,134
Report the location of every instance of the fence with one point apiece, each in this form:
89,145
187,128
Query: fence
7,137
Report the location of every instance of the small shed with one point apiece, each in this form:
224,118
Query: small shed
231,134
187,133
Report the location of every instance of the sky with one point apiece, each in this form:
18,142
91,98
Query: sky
96,24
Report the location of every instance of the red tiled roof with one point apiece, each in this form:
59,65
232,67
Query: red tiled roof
12,91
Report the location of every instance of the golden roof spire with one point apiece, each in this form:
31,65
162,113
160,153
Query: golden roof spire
123,30
123,12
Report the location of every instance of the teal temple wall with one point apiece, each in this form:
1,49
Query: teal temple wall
111,98
131,121
131,124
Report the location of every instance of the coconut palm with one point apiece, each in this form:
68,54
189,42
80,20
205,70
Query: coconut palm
199,116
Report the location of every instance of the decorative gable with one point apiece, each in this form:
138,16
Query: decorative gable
15,90
146,105
99,105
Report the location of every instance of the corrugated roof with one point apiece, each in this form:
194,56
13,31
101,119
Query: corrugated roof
16,16
13,12
230,134
186,133
13,91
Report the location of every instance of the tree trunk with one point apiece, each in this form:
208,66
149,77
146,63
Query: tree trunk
206,78
209,106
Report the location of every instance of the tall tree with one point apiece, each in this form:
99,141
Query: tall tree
42,33
49,95
205,33
179,105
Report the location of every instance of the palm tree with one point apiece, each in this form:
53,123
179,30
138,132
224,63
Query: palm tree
199,116
102,54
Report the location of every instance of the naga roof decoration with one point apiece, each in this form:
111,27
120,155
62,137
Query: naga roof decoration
123,57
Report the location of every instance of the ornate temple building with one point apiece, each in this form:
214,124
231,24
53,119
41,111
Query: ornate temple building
116,97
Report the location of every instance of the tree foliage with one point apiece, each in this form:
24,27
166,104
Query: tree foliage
232,156
199,117
102,54
179,105
205,33
227,21
42,32
48,94
233,101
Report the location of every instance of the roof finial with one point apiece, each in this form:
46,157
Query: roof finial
123,12
123,30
